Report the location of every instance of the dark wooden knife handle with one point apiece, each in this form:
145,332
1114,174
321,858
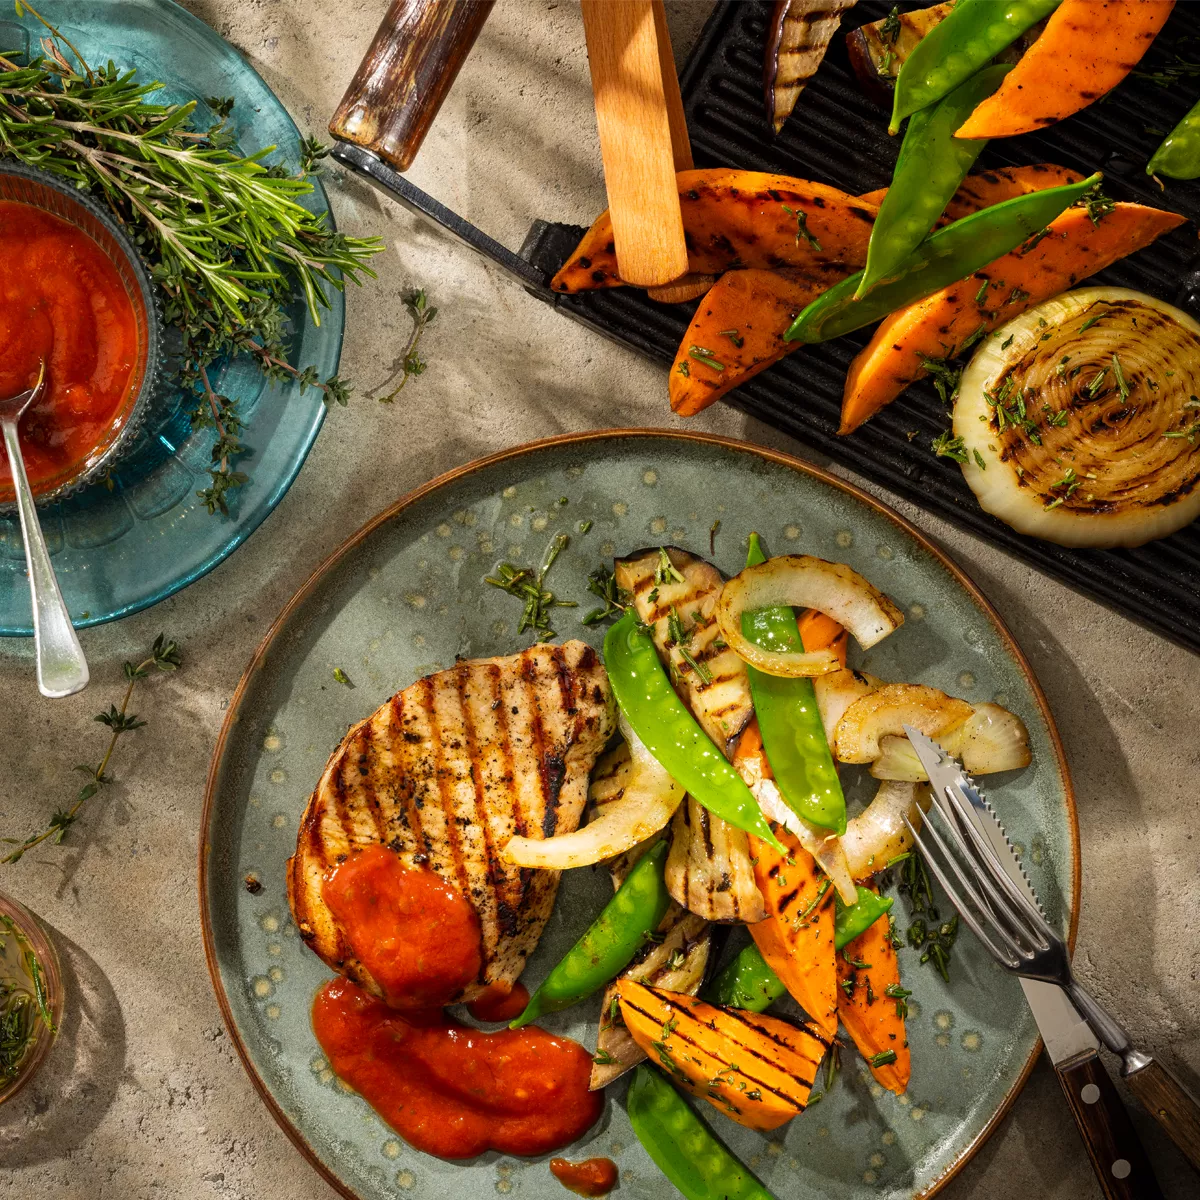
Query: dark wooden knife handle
1169,1102
1112,1143
401,83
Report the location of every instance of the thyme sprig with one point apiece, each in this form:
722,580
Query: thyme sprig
228,241
529,587
422,315
164,656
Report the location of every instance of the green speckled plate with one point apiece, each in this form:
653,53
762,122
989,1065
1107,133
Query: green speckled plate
406,595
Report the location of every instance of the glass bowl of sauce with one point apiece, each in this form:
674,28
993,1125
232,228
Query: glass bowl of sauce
31,996
73,292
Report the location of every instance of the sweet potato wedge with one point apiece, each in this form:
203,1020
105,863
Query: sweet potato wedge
736,219
872,1017
738,331
755,307
796,938
756,1069
1086,49
939,325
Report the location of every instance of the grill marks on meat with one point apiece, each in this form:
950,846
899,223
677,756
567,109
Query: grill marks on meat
445,773
708,868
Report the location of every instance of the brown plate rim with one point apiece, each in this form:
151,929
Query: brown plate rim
580,438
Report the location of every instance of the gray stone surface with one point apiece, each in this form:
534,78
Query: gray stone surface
145,1097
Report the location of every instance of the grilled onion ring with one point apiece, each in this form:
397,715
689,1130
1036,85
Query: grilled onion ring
1080,420
802,581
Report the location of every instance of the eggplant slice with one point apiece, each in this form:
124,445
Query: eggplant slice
708,867
799,35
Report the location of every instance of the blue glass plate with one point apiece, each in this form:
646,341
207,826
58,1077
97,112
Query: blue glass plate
122,550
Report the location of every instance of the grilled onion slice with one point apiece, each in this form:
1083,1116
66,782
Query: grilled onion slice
801,581
878,834
1080,421
991,739
887,710
835,693
648,801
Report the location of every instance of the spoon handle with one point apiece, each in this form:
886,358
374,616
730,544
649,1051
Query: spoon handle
61,668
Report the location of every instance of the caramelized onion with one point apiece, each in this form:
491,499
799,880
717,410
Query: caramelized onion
1080,421
838,690
801,581
991,739
877,835
887,710
648,801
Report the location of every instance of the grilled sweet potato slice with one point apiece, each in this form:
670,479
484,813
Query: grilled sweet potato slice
757,1069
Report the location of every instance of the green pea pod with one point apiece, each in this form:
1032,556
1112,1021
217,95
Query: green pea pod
671,733
1179,155
610,942
745,982
686,1151
931,165
954,49
790,721
946,256
849,922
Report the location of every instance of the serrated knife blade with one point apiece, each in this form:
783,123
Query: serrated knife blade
1064,1031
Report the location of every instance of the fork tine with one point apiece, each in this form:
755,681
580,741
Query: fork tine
1002,956
1035,925
974,882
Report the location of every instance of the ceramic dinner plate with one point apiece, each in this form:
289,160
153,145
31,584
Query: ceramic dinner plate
406,595
120,550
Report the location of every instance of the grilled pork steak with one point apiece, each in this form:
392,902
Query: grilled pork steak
445,773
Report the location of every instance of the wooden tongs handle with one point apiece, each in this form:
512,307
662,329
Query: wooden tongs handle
626,62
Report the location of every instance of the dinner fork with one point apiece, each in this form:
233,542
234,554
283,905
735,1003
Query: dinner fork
61,668
997,902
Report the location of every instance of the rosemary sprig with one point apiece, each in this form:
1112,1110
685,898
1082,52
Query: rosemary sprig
422,314
164,656
529,587
602,583
229,243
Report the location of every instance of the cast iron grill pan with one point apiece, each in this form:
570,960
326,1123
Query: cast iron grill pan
837,135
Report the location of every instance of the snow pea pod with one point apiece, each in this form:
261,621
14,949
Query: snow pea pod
790,721
747,982
686,1151
610,942
931,165
954,49
1179,155
946,256
671,733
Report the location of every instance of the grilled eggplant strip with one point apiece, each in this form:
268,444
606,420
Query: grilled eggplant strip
799,35
708,869
445,773
677,963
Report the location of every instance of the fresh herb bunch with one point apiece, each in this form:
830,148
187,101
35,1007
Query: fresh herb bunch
164,656
227,240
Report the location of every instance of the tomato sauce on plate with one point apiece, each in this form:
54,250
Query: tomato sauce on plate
592,1177
61,300
446,1088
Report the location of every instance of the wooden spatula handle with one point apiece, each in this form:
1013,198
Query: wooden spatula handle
401,83
635,140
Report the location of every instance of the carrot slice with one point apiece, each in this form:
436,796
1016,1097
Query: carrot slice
741,219
756,1069
821,632
796,938
870,1015
1086,49
941,324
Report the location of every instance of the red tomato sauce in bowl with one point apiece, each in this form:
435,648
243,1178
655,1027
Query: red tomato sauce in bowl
63,300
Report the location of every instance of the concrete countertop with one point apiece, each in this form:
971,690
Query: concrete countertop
144,1097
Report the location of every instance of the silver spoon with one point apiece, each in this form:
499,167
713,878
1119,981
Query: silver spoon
61,668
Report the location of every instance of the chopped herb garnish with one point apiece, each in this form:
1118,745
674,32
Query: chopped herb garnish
1090,322
981,295
684,369
675,634
1119,378
713,530
1008,341
946,379
882,1058
733,335
528,586
900,995
802,227
666,571
1098,205
342,677
602,1058
1033,241
946,445
1093,388
979,460
585,526
1016,296
889,27
706,357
